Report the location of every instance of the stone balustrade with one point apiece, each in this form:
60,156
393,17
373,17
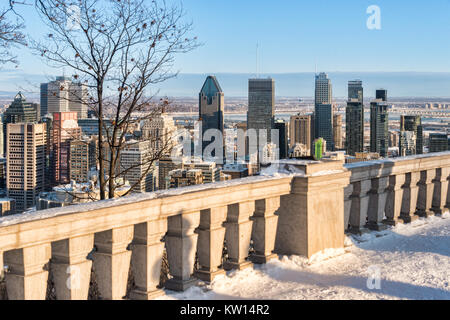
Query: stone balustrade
386,192
208,229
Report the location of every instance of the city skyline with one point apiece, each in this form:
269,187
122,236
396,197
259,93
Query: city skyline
298,41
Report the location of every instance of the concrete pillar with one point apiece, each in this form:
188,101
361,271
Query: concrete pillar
181,246
2,267
70,269
147,258
348,191
264,229
410,194
238,235
425,196
360,205
28,272
377,203
211,235
311,218
394,199
112,262
440,190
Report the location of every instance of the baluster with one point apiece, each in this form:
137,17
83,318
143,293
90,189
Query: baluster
426,189
238,234
394,199
440,190
410,194
360,205
264,229
377,203
348,191
181,242
27,276
70,269
147,258
211,235
112,262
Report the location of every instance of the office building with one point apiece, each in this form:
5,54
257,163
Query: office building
337,131
282,128
355,90
408,143
438,142
160,131
136,166
379,128
323,111
300,132
63,95
19,111
381,94
211,108
354,127
83,159
261,109
414,124
64,129
185,177
25,163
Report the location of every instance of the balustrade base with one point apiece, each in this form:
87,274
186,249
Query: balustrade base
376,226
357,230
392,222
408,218
261,259
425,213
229,265
208,276
180,285
142,295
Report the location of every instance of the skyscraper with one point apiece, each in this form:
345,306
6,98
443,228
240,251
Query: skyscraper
379,128
323,111
261,108
159,130
323,89
414,124
300,131
354,127
63,95
65,128
438,142
19,111
282,128
25,163
381,94
136,166
211,107
355,90
337,131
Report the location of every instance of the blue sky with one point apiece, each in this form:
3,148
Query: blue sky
295,35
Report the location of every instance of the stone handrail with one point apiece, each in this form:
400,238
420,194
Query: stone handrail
386,192
302,210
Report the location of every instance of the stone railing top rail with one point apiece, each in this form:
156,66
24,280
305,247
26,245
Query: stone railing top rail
385,167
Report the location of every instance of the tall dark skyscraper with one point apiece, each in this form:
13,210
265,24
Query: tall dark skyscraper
355,90
323,110
354,127
381,94
211,106
261,106
413,124
282,128
379,128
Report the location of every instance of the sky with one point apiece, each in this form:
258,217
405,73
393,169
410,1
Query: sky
300,36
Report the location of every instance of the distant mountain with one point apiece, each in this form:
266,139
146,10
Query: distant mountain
398,84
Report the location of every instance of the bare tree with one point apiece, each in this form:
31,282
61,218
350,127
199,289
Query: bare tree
11,32
118,49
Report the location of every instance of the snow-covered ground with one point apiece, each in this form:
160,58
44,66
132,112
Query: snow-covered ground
406,262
